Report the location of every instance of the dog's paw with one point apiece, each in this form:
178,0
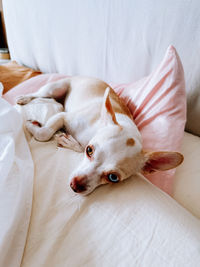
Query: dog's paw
67,141
23,100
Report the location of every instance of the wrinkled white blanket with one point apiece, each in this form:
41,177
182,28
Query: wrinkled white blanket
128,224
16,186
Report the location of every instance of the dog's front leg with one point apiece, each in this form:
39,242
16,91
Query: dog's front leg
51,90
45,132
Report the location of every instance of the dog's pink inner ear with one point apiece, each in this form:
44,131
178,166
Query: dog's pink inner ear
162,161
107,113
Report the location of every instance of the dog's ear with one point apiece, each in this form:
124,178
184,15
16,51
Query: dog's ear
107,112
161,161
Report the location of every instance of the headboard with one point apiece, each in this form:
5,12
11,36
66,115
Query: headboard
115,40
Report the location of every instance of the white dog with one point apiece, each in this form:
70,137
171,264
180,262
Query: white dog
97,121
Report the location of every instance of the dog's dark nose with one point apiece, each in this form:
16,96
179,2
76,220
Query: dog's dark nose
79,184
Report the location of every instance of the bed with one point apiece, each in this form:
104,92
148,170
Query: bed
134,223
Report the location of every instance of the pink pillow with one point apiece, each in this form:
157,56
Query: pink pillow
30,86
158,105
157,102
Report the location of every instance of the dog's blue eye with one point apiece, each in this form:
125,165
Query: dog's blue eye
113,178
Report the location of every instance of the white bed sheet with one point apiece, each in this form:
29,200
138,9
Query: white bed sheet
130,224
187,178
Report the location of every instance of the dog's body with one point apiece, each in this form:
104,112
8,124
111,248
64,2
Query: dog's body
99,122
83,105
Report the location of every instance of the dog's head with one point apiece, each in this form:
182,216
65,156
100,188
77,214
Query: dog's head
115,153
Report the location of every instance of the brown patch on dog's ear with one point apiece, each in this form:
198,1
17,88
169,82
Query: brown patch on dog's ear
110,109
107,112
130,142
161,161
